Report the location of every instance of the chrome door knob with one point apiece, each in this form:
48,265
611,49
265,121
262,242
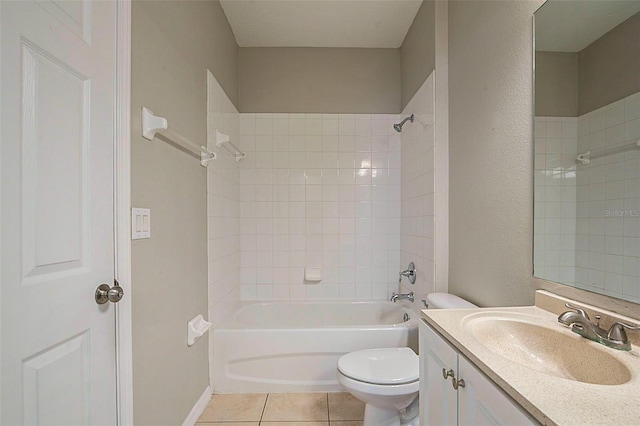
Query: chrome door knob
105,294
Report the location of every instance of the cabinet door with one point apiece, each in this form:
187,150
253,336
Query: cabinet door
481,402
438,399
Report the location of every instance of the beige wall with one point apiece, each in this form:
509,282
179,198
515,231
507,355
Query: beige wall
319,80
417,53
572,84
169,271
609,68
339,80
556,84
200,32
491,176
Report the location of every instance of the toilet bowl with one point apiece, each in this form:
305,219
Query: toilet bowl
386,380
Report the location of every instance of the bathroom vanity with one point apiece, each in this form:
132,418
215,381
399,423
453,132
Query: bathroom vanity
454,391
520,366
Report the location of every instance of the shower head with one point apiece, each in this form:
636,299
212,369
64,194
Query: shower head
398,127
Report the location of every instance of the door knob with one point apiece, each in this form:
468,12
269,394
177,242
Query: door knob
105,294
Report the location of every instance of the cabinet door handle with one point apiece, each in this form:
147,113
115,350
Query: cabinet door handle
448,373
457,383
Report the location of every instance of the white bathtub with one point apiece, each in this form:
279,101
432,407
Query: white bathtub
295,346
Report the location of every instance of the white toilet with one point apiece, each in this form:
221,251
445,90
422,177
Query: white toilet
387,379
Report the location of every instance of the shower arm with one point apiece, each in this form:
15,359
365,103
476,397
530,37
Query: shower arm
398,127
410,118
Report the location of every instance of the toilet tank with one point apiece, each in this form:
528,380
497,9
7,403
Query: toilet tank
447,301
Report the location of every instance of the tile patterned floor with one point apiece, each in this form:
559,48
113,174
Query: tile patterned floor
283,409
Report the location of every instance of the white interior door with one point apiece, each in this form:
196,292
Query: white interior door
56,175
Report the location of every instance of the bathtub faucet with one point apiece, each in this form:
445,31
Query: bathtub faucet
402,296
410,273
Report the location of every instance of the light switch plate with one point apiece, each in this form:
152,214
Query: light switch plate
140,223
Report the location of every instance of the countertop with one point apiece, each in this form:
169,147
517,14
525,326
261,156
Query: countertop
549,399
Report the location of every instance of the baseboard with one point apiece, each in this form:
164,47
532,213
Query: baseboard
199,407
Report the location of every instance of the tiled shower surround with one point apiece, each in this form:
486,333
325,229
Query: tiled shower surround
418,192
608,201
555,198
223,200
605,195
319,190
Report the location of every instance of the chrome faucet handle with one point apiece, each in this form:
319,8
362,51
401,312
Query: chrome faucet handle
617,331
410,273
578,310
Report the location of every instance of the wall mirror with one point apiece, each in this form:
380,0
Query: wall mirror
587,146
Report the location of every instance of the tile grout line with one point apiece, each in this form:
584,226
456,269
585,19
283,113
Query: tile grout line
263,409
328,412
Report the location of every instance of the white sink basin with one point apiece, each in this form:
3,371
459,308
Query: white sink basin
545,348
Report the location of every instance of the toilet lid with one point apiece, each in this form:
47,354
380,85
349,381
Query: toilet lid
388,366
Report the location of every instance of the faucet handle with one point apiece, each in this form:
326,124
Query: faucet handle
597,317
617,332
410,273
579,310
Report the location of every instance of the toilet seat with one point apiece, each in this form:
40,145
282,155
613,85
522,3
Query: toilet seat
361,387
384,367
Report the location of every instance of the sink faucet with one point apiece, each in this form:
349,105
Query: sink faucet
617,334
402,296
579,322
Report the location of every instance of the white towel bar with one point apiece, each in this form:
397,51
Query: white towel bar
152,124
223,140
585,158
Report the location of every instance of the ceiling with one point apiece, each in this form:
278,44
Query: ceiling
570,26
320,23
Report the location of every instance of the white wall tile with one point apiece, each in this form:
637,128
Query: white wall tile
297,127
319,204
330,125
604,196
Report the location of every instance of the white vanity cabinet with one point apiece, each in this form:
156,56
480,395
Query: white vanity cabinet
479,402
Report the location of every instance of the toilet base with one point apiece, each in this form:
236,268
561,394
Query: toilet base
376,416
410,416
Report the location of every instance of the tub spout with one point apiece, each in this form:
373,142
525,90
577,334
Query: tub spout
402,296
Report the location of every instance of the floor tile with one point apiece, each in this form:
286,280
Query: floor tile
344,406
346,423
288,407
229,424
234,408
297,423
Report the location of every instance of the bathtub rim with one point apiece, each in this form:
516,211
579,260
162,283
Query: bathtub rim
231,324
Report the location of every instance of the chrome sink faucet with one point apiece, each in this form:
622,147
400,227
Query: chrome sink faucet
579,322
402,296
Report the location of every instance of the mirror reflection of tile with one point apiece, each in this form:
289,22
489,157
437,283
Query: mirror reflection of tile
587,213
